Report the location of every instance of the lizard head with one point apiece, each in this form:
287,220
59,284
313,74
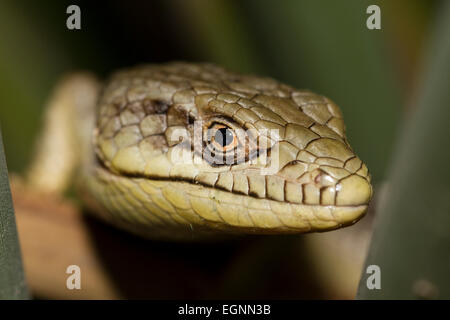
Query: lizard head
196,146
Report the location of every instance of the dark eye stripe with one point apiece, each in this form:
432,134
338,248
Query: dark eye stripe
224,137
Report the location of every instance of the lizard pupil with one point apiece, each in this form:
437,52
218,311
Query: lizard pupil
223,137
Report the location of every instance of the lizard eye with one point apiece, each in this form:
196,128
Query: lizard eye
223,138
226,143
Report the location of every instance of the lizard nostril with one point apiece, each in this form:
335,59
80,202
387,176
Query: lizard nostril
324,180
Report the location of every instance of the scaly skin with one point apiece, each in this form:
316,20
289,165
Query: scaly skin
138,182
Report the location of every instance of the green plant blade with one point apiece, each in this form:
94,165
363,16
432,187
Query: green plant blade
411,242
12,279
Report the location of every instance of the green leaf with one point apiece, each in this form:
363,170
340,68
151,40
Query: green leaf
411,242
12,280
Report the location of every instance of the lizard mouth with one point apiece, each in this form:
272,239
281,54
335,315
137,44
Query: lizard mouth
206,208
316,188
